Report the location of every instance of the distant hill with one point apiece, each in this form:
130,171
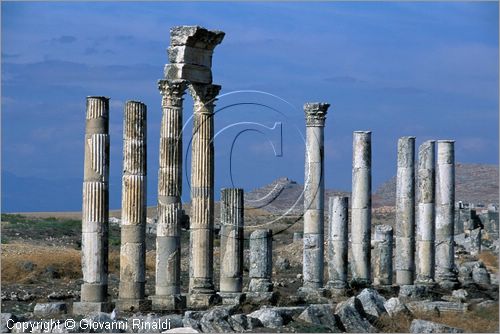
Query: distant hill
281,196
475,183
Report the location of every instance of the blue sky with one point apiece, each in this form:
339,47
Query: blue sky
423,69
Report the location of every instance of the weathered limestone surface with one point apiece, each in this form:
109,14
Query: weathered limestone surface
314,188
425,213
133,229
361,208
201,286
338,243
168,240
261,261
95,209
405,212
231,250
383,238
445,205
190,53
475,241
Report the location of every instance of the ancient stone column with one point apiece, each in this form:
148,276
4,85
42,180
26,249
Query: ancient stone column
261,261
201,286
133,226
425,213
338,243
95,209
474,240
382,269
405,212
314,189
168,232
446,274
231,249
361,208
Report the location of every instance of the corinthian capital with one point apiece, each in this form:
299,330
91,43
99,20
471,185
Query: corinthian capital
204,96
315,113
172,91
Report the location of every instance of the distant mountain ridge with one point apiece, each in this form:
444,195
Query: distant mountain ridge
281,196
475,183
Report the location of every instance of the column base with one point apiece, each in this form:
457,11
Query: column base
447,280
360,283
386,288
203,300
449,284
168,302
314,296
416,292
232,298
337,288
262,298
85,308
260,284
133,305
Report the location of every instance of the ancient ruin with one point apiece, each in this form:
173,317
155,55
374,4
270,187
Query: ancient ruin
95,209
417,247
314,189
405,212
361,208
338,244
131,295
231,250
446,275
169,210
425,214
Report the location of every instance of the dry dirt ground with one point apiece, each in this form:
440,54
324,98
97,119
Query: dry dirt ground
40,262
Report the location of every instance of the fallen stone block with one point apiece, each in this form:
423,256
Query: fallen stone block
423,326
353,316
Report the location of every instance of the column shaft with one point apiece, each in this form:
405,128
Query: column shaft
95,208
314,188
168,232
133,227
383,255
425,213
405,212
445,206
261,261
361,208
231,253
202,190
338,242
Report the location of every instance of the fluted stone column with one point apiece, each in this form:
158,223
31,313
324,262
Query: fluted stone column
261,261
314,188
405,212
133,227
231,246
446,274
382,275
338,243
361,208
168,233
425,213
201,286
95,209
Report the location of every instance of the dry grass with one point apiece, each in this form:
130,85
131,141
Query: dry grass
65,261
476,321
17,257
490,260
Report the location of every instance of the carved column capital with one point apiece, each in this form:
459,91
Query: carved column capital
204,97
172,92
316,113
